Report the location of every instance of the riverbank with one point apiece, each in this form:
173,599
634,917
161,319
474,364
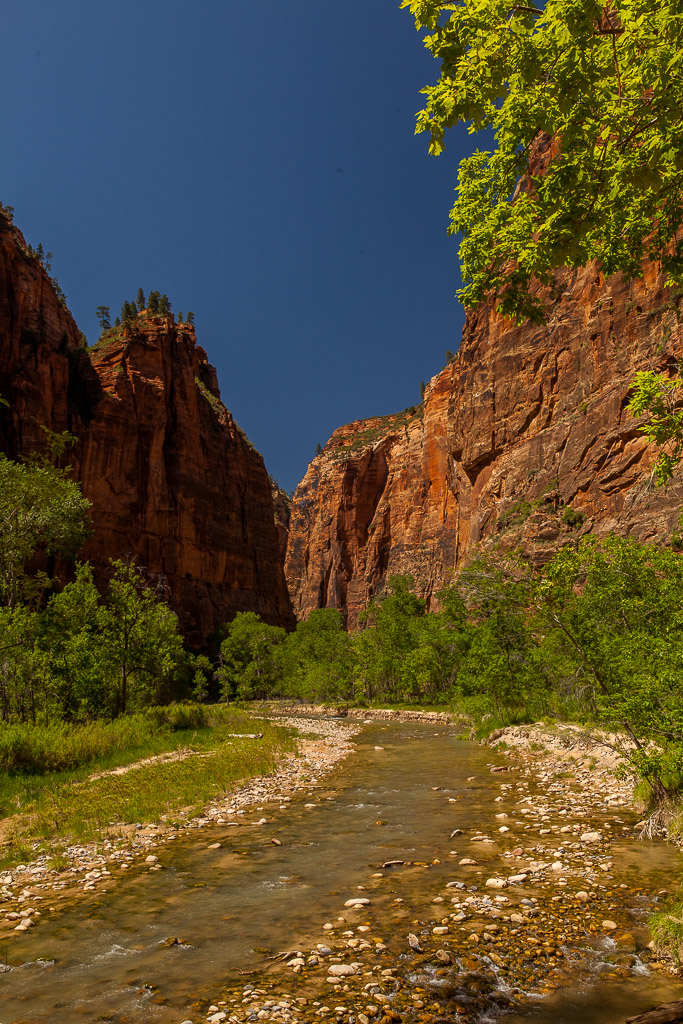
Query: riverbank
34,889
533,903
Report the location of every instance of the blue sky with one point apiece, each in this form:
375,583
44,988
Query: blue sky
256,161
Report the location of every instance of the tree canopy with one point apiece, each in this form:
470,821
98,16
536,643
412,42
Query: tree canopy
584,105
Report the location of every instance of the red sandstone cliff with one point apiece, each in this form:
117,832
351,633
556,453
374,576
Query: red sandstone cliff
172,479
526,423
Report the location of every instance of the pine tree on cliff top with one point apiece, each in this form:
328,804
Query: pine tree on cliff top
141,300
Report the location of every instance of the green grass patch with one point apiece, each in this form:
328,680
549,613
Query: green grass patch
51,809
667,930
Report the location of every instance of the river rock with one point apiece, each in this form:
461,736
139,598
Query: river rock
591,837
496,883
341,970
609,926
360,901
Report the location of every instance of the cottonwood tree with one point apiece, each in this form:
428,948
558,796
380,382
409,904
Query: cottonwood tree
583,101
40,509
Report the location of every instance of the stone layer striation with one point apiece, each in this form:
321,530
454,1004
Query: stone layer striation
173,481
523,441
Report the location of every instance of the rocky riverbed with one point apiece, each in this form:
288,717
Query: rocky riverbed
533,904
30,891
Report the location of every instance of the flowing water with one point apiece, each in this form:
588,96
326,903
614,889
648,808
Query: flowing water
103,958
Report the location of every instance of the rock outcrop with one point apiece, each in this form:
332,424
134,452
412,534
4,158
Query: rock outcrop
172,479
524,441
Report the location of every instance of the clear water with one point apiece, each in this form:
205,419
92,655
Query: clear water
103,960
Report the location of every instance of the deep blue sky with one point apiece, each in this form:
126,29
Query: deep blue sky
255,159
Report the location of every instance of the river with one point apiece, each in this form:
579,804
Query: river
103,957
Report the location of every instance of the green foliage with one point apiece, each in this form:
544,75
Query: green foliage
103,314
572,517
251,658
605,83
319,660
658,397
40,509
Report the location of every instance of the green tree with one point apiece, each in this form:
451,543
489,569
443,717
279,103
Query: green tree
391,629
81,683
612,615
139,638
40,510
103,314
320,661
252,657
22,669
189,319
141,300
164,305
502,671
657,397
583,102
153,302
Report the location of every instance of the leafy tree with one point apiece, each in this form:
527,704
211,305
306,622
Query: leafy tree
22,673
612,613
40,509
658,397
139,637
501,668
583,102
141,300
391,632
252,657
103,314
79,677
320,661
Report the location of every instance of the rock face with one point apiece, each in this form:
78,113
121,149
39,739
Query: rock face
173,480
522,441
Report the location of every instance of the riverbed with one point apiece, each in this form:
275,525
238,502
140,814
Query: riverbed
166,945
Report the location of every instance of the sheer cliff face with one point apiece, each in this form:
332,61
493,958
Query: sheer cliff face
173,481
526,428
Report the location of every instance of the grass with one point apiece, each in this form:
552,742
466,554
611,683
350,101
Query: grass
386,425
52,809
667,930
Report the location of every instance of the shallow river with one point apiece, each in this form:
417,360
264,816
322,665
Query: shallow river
102,959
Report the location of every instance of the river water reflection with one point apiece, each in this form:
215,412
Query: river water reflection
231,906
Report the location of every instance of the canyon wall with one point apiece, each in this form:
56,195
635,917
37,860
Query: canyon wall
172,479
523,441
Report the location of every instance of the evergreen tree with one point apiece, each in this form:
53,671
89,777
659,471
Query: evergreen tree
164,305
153,302
141,300
189,319
117,322
103,314
180,316
40,252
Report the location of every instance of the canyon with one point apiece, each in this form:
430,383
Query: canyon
173,481
522,442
